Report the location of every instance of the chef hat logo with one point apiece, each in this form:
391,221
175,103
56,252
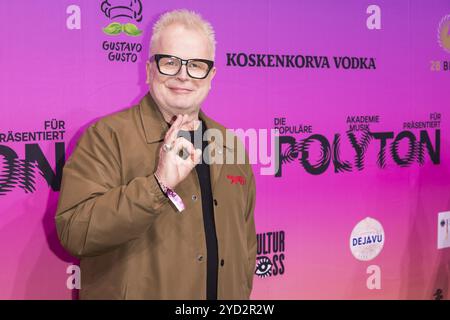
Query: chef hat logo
131,9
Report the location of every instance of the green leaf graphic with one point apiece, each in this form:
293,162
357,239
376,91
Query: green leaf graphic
131,30
113,28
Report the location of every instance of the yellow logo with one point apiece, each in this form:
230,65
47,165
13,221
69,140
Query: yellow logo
444,33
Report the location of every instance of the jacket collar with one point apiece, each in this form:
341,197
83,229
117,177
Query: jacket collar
155,127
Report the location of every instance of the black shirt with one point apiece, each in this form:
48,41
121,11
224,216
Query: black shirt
204,178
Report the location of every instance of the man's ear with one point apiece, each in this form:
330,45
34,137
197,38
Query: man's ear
213,72
148,67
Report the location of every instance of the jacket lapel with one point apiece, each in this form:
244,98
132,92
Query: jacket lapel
155,127
220,147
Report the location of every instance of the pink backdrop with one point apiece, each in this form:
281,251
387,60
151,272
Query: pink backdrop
56,66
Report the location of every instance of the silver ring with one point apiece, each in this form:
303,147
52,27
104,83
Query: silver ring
166,147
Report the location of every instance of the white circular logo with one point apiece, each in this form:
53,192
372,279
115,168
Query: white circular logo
367,239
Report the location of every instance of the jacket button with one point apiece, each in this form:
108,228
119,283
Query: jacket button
222,262
200,258
194,197
215,202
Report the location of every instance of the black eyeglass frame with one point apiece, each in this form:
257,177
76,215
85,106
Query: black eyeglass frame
157,57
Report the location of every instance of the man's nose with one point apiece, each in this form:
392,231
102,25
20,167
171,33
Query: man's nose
182,74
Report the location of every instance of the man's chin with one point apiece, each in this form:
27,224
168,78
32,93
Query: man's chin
182,106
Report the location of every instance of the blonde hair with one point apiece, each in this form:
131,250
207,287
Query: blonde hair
189,19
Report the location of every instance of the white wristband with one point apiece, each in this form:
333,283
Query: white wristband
172,195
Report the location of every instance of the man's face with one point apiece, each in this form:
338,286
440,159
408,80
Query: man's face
180,93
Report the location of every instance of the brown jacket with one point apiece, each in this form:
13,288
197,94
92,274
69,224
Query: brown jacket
132,242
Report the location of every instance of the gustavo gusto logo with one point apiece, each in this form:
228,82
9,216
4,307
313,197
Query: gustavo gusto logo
122,9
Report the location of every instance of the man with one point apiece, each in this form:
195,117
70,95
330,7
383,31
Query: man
150,215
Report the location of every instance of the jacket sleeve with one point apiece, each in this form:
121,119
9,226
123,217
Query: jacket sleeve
96,213
251,232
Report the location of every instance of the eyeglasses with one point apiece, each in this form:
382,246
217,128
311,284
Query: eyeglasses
171,65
